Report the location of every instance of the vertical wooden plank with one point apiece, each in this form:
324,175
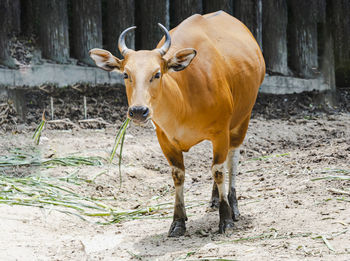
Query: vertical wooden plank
12,16
302,38
27,16
54,39
86,28
181,9
325,45
210,6
15,16
5,58
30,17
274,36
327,56
119,15
338,13
148,14
250,13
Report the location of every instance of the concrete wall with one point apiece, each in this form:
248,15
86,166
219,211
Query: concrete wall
288,85
61,75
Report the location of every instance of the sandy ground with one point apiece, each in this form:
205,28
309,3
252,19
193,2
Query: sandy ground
284,212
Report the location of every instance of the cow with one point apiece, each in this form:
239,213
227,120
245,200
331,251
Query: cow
199,83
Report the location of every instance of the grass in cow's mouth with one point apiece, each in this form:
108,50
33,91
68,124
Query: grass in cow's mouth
119,139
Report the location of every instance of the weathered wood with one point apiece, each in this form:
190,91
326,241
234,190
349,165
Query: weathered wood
181,9
325,44
210,6
54,39
274,36
14,20
29,17
339,15
5,58
302,38
250,13
86,28
149,14
119,15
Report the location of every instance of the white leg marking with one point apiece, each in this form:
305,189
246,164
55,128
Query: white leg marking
232,166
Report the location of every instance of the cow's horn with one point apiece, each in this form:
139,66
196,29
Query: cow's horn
121,42
165,47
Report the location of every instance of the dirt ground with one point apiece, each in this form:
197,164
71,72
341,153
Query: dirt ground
284,211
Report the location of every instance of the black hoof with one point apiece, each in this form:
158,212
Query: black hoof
235,214
226,226
177,228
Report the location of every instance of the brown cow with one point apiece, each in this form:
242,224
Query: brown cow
211,100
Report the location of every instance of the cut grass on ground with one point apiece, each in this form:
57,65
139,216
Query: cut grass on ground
19,158
59,194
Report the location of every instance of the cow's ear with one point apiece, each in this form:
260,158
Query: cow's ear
181,59
105,59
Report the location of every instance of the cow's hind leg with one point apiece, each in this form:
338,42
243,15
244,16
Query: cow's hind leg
220,150
236,139
175,159
232,163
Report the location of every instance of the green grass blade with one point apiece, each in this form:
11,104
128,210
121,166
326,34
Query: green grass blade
332,177
116,143
118,139
39,129
325,240
120,157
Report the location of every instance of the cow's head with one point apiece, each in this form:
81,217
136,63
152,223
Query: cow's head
143,72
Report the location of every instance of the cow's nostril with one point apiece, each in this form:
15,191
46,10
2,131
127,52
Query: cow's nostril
131,113
145,112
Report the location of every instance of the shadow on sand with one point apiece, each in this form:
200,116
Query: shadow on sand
200,232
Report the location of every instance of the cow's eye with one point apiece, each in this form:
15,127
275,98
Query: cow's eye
126,76
157,75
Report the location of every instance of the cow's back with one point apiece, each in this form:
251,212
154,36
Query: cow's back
244,62
229,66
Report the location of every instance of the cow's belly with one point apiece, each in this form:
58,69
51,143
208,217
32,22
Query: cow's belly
183,138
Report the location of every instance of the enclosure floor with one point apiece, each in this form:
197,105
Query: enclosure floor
283,212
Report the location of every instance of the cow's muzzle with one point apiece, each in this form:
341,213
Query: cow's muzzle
139,114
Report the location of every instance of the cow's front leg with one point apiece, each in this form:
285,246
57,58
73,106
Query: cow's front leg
214,202
175,159
220,150
178,227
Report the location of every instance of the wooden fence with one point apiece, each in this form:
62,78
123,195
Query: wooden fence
302,39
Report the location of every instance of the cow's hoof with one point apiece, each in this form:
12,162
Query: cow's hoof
177,228
226,226
236,214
